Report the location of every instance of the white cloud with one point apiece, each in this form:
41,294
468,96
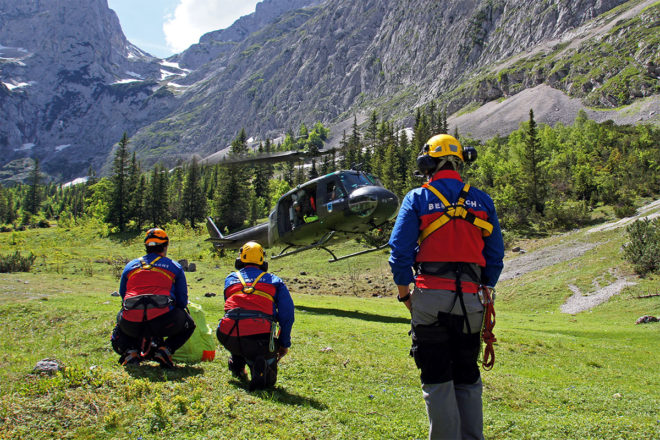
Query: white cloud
194,18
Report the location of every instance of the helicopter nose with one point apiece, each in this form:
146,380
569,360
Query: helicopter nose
375,202
388,205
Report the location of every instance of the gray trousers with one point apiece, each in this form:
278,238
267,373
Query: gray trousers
451,384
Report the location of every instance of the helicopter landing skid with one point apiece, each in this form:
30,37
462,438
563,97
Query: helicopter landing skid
377,248
318,245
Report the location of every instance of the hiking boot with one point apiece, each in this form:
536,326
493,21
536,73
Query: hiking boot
164,357
130,357
236,372
259,378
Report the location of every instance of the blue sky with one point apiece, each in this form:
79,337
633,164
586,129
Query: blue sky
166,27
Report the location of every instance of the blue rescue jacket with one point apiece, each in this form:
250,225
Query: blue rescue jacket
457,241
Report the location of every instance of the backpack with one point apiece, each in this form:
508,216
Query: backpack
201,345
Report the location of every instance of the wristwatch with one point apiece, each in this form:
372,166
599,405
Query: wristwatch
404,299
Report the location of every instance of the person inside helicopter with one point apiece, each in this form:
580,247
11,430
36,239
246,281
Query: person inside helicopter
298,217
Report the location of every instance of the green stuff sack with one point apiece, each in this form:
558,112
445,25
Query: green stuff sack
202,343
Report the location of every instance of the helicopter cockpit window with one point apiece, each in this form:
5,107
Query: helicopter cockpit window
374,180
334,192
352,181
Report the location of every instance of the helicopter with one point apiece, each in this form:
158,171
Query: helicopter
328,209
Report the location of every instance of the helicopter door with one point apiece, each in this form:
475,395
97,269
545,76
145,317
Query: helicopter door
304,207
284,213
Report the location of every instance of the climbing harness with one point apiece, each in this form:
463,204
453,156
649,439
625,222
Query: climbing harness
250,289
237,314
487,298
148,301
150,266
454,211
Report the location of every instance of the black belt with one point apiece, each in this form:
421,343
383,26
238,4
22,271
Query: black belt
470,272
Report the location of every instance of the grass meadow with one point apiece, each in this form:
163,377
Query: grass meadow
594,375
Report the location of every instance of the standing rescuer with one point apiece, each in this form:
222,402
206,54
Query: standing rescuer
255,302
447,241
155,294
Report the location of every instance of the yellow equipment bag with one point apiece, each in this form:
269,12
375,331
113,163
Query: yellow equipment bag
201,345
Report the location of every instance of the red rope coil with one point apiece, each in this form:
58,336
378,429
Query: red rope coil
487,334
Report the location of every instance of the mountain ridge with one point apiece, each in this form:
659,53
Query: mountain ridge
304,61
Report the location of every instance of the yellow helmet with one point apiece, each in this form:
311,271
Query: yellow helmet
155,237
252,253
442,145
442,149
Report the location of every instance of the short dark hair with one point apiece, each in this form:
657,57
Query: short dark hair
157,249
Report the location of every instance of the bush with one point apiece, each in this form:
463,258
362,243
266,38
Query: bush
16,262
624,210
566,215
43,223
625,206
643,250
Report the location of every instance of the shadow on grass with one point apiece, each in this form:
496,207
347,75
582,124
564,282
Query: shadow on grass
155,373
354,315
281,395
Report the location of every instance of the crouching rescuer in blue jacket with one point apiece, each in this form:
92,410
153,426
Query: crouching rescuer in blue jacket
447,241
255,302
155,294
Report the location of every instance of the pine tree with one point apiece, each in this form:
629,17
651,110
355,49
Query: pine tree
346,153
234,195
157,211
3,204
135,195
300,174
11,214
175,191
313,172
91,176
432,118
139,208
532,158
118,210
355,145
289,172
34,195
194,199
261,183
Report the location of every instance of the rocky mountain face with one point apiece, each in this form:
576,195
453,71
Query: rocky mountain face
218,43
71,84
65,70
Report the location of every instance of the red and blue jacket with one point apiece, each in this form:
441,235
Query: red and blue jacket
152,275
269,299
458,241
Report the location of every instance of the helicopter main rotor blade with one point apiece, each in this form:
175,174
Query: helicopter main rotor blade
267,158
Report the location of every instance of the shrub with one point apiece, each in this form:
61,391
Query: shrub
643,250
566,215
624,205
16,262
43,223
623,210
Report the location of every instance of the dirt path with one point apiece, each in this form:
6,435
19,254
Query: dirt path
643,213
544,257
580,302
552,255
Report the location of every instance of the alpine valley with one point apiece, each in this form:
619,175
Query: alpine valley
71,83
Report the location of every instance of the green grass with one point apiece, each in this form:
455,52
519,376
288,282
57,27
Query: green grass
348,375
